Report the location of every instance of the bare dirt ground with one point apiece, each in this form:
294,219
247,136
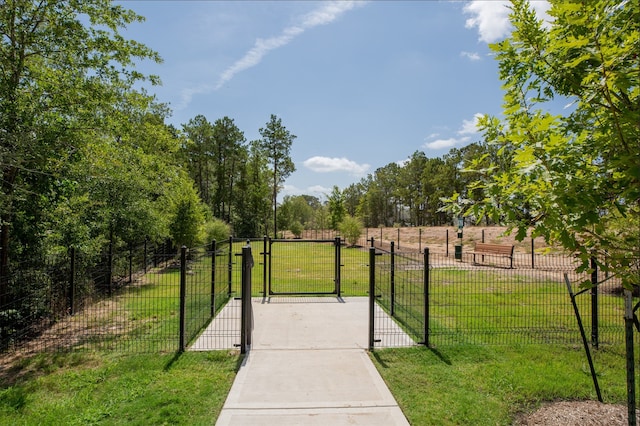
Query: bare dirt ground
577,413
436,237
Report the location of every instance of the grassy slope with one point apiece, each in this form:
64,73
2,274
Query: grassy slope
491,385
99,388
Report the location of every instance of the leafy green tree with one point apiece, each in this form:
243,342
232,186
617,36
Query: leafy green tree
64,68
275,145
351,229
228,151
574,178
186,213
199,155
336,208
252,195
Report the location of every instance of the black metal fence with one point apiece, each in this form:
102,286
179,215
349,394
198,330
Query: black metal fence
461,301
157,299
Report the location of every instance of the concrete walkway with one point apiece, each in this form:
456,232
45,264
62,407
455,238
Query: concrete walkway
308,366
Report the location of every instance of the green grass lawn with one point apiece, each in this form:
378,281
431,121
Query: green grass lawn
481,385
86,388
455,385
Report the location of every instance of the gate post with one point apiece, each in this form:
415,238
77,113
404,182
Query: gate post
230,266
247,314
372,296
264,266
338,260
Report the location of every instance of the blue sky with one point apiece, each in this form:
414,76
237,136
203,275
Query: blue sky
361,84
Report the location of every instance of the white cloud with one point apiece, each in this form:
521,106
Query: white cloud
326,13
491,17
443,143
470,127
472,56
328,165
315,190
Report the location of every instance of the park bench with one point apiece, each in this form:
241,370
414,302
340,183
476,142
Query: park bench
495,250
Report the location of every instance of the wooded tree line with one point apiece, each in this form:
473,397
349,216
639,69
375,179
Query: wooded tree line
86,157
411,193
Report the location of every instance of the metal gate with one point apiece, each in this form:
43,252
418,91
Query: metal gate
304,267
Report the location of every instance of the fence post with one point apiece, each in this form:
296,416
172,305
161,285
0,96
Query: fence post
447,242
110,268
230,267
393,280
533,254
183,296
629,316
72,282
213,277
145,256
420,239
594,303
338,260
372,295
130,263
264,266
426,296
247,314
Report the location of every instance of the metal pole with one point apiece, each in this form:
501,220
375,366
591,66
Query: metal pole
270,248
426,297
183,296
393,280
230,268
533,255
338,265
594,303
372,295
213,278
447,242
594,377
145,256
264,266
72,282
246,317
631,374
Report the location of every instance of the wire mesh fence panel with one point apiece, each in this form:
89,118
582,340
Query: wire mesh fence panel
399,292
212,315
487,305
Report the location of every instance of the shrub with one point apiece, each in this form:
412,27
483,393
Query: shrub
351,229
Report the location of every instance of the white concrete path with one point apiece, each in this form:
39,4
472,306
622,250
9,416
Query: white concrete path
308,366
